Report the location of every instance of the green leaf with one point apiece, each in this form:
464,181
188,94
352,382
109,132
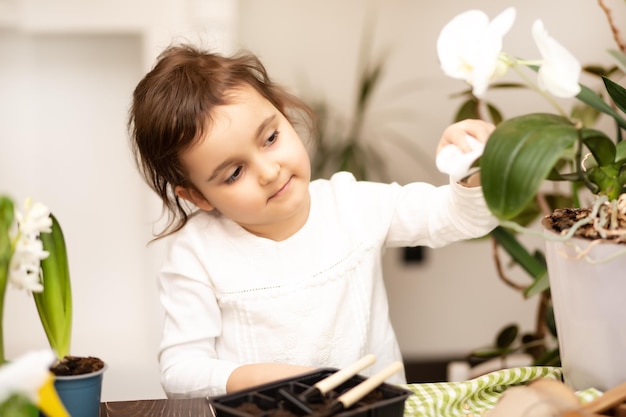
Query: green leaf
539,285
494,114
519,155
550,358
488,353
18,405
6,220
468,110
617,93
519,253
620,152
586,114
507,336
550,320
54,303
592,99
6,252
600,145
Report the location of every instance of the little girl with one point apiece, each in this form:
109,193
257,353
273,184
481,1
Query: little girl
267,274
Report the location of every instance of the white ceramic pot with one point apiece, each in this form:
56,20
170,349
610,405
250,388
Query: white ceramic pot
589,299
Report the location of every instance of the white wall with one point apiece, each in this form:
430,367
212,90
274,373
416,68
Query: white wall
66,75
65,86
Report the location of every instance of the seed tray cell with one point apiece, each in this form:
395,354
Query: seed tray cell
269,400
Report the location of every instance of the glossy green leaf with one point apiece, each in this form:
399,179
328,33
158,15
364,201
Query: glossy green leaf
592,99
519,155
494,114
539,285
6,220
520,255
601,146
6,252
617,93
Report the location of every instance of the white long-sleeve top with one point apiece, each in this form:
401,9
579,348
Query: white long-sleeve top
315,299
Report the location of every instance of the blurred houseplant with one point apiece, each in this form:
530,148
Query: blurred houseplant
352,142
33,257
525,153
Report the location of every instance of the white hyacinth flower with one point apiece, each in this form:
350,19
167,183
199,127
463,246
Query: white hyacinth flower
25,266
35,219
469,47
560,71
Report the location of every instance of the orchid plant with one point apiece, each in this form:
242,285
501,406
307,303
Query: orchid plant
526,151
33,257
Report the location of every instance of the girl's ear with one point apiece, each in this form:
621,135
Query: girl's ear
193,197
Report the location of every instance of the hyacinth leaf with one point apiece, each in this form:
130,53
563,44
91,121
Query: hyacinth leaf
6,220
519,155
54,303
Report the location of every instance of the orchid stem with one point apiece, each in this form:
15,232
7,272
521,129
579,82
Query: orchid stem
515,65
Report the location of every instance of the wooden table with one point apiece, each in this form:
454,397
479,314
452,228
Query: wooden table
196,407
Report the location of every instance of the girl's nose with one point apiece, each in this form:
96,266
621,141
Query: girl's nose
268,171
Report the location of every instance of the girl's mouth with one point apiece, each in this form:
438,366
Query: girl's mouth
281,190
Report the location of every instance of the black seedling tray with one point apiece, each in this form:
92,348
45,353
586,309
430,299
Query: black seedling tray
266,400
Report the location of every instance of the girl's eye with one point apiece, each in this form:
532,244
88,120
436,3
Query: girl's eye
235,175
273,138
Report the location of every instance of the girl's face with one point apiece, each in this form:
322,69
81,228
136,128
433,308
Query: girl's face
251,167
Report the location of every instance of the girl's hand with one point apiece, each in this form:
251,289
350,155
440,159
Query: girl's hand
462,143
455,134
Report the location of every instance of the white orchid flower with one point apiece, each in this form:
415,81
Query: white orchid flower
469,47
29,375
560,71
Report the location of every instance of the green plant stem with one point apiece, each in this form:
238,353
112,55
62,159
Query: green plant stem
515,65
3,287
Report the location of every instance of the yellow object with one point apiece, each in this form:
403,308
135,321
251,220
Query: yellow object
49,401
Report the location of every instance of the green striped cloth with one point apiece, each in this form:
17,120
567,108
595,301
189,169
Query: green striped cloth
473,397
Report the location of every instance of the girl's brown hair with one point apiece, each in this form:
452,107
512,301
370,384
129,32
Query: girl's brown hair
172,107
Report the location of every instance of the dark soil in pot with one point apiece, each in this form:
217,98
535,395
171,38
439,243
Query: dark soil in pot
562,220
77,365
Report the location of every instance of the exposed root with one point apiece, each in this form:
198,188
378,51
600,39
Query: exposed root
605,221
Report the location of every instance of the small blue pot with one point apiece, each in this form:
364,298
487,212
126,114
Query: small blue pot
80,394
